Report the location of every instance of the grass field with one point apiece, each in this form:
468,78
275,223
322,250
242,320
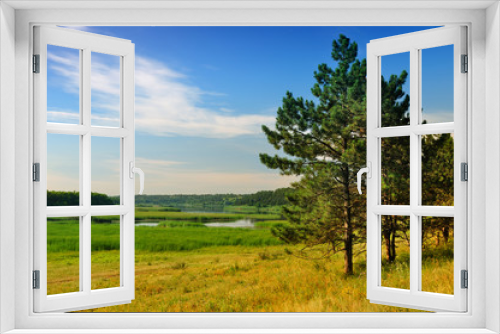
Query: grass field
184,266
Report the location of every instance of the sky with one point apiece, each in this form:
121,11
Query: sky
202,95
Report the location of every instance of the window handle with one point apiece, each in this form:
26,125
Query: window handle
134,170
368,171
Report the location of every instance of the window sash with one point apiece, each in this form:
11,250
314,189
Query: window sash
86,297
413,43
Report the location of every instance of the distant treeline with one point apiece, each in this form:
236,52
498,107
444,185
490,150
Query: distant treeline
65,198
265,198
215,200
259,199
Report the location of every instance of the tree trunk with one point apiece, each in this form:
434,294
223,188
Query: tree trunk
446,234
348,265
393,245
387,241
390,239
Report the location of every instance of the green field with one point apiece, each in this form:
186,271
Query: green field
184,266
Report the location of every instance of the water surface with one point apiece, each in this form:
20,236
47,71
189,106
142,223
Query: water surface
240,223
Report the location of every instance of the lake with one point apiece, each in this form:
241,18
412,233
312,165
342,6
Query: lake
240,223
148,223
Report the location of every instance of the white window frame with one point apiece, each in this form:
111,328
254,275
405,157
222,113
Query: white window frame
413,44
86,43
483,211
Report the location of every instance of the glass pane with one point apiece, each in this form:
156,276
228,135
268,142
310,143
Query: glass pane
63,255
105,252
63,170
63,85
437,254
437,84
437,169
395,171
395,83
105,90
105,171
395,252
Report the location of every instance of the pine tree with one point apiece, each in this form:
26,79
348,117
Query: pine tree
395,161
437,185
325,144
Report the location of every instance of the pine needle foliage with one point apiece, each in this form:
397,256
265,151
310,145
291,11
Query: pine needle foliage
324,142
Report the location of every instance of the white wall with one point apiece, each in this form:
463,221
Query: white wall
492,146
7,160
186,17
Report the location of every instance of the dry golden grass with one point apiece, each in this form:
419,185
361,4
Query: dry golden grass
250,279
63,271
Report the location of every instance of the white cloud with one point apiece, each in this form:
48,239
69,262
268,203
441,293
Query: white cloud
105,78
67,66
63,116
73,117
166,103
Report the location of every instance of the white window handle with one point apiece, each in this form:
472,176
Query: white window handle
368,171
139,171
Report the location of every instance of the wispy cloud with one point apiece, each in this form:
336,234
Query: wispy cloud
63,116
67,67
167,104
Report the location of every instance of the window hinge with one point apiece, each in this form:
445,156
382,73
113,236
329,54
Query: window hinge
464,172
465,279
36,63
36,279
465,64
36,172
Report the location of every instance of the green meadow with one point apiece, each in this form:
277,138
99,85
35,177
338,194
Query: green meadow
184,266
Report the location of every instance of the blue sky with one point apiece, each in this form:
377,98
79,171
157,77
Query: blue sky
202,94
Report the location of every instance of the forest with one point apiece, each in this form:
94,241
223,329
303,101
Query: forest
259,199
324,141
71,198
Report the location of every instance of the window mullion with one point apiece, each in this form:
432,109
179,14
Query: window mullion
85,163
85,166
415,183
